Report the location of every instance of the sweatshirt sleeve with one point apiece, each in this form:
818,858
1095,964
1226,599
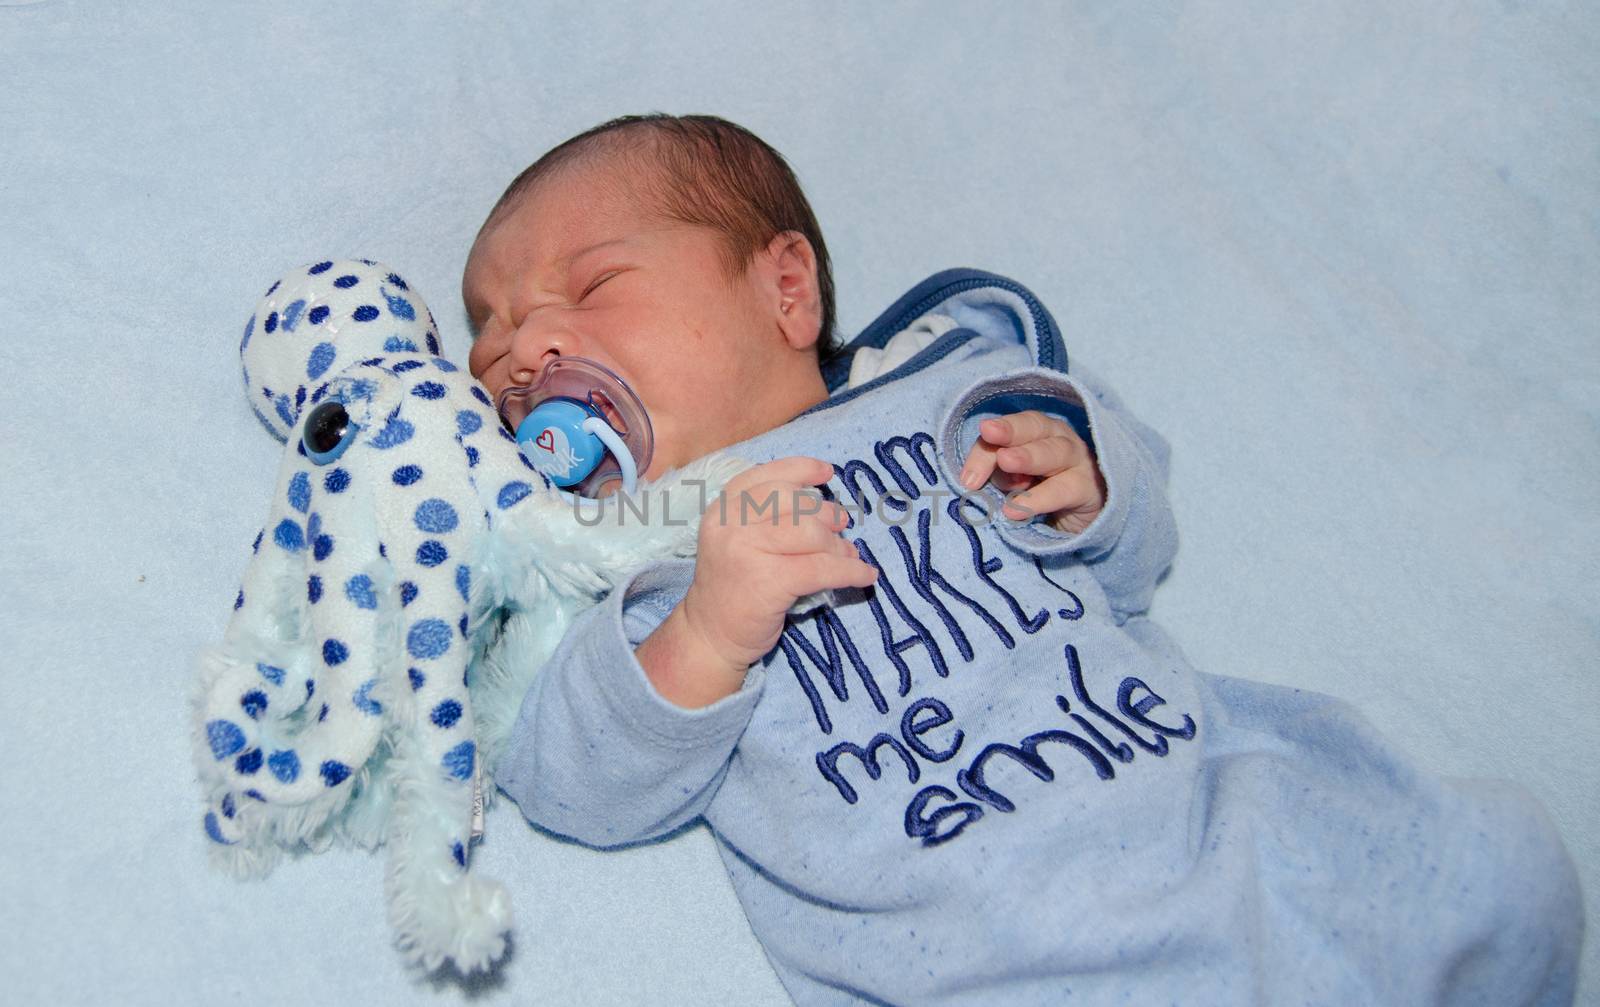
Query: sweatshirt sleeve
1133,540
597,754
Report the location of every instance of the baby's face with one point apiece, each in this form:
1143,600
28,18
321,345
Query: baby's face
577,269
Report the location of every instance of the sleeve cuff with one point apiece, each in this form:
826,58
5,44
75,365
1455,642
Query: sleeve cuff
1052,392
629,615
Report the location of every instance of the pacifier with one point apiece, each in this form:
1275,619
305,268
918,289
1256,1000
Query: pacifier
580,426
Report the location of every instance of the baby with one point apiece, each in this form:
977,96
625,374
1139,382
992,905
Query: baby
978,774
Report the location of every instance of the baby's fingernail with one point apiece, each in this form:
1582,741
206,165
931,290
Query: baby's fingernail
970,479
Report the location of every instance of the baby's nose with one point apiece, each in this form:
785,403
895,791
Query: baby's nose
534,345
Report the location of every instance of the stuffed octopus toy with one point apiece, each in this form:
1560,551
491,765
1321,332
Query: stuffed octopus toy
413,575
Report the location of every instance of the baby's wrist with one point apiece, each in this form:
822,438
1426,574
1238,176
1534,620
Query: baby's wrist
684,664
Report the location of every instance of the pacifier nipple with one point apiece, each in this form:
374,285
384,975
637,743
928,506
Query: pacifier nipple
580,426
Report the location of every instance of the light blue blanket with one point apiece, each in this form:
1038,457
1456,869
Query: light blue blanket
1346,257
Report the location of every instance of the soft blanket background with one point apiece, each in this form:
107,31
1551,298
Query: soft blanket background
1346,256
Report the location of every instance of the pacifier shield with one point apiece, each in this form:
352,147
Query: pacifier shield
572,422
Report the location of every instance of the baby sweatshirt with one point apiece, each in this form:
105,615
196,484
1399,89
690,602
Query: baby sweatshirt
991,779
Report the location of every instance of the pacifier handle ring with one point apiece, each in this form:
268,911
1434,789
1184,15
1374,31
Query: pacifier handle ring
613,442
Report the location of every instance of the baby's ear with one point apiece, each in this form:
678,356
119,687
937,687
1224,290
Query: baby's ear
791,273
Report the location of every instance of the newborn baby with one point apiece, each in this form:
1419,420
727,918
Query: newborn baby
977,773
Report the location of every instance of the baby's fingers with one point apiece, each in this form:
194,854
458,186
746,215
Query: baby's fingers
1020,428
1071,491
980,464
1044,457
808,574
792,535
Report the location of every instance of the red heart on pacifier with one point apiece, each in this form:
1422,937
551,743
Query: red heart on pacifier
546,440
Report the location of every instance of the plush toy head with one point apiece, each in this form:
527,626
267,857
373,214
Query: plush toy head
317,321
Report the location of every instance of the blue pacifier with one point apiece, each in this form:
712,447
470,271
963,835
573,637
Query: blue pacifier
580,426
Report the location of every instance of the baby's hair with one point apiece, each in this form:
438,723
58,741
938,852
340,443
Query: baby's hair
705,171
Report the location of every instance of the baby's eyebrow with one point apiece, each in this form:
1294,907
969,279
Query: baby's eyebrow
566,261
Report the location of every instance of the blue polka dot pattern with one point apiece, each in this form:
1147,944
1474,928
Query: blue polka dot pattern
336,481
311,687
472,457
461,624
271,324
225,738
334,652
431,553
405,475
458,761
394,344
400,307
363,700
319,314
321,356
287,535
214,831
249,327
321,267
300,492
313,589
285,765
464,582
346,282
408,593
365,313
482,396
418,679
407,365
322,548
227,806
459,853
248,763
512,492
429,390
468,422
253,703
291,315
270,672
446,714
238,602
281,405
429,638
395,432
359,590
334,772
435,516
395,279
256,545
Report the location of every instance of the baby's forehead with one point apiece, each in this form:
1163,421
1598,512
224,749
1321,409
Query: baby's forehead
631,175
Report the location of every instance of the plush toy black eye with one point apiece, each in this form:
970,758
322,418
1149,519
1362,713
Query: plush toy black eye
328,431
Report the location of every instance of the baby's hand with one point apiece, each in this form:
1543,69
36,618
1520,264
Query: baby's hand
768,541
1045,458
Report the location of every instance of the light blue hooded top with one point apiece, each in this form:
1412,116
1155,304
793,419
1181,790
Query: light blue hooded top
991,779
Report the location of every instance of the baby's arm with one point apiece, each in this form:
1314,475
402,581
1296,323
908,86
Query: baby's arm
750,569
626,733
1105,497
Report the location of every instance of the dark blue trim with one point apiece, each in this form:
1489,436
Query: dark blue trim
1015,402
924,297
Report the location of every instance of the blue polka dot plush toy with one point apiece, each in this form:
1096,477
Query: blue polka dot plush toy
413,574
